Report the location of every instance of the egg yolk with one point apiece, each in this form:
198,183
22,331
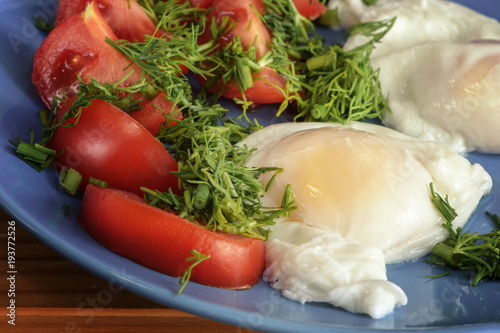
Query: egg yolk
353,183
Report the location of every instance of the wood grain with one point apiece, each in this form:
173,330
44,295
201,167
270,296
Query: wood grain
54,295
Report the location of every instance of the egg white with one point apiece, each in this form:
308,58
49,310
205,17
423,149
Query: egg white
439,66
445,92
417,21
362,192
368,183
312,265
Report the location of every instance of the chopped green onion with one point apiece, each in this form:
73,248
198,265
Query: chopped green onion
98,182
44,120
70,180
330,18
201,195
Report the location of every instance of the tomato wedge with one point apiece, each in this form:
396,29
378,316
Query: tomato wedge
107,144
267,88
78,46
126,18
204,4
268,84
162,241
312,9
157,113
249,28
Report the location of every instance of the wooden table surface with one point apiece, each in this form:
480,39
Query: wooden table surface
54,295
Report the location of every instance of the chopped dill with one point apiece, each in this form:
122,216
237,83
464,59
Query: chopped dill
466,251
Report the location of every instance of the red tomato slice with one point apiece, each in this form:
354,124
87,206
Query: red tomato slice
248,27
312,9
153,118
78,46
126,18
201,3
107,144
162,241
251,32
267,88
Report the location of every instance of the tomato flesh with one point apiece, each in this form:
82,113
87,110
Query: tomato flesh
107,144
312,9
78,46
268,84
162,241
204,4
249,28
126,18
152,118
268,87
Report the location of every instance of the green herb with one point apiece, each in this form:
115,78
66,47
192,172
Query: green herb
219,191
443,205
495,219
197,258
156,10
97,182
70,180
330,18
114,93
466,251
42,25
324,82
335,85
163,59
231,66
66,209
341,85
34,154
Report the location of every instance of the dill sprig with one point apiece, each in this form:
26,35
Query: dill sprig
156,10
231,65
293,31
336,85
219,191
341,85
165,58
466,251
197,257
42,25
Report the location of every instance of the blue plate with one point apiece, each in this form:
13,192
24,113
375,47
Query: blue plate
449,304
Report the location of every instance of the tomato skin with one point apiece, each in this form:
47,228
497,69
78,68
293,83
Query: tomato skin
248,26
251,31
107,144
265,90
162,241
152,119
130,23
204,4
312,9
78,46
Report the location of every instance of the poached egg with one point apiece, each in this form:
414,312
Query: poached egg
364,201
439,66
